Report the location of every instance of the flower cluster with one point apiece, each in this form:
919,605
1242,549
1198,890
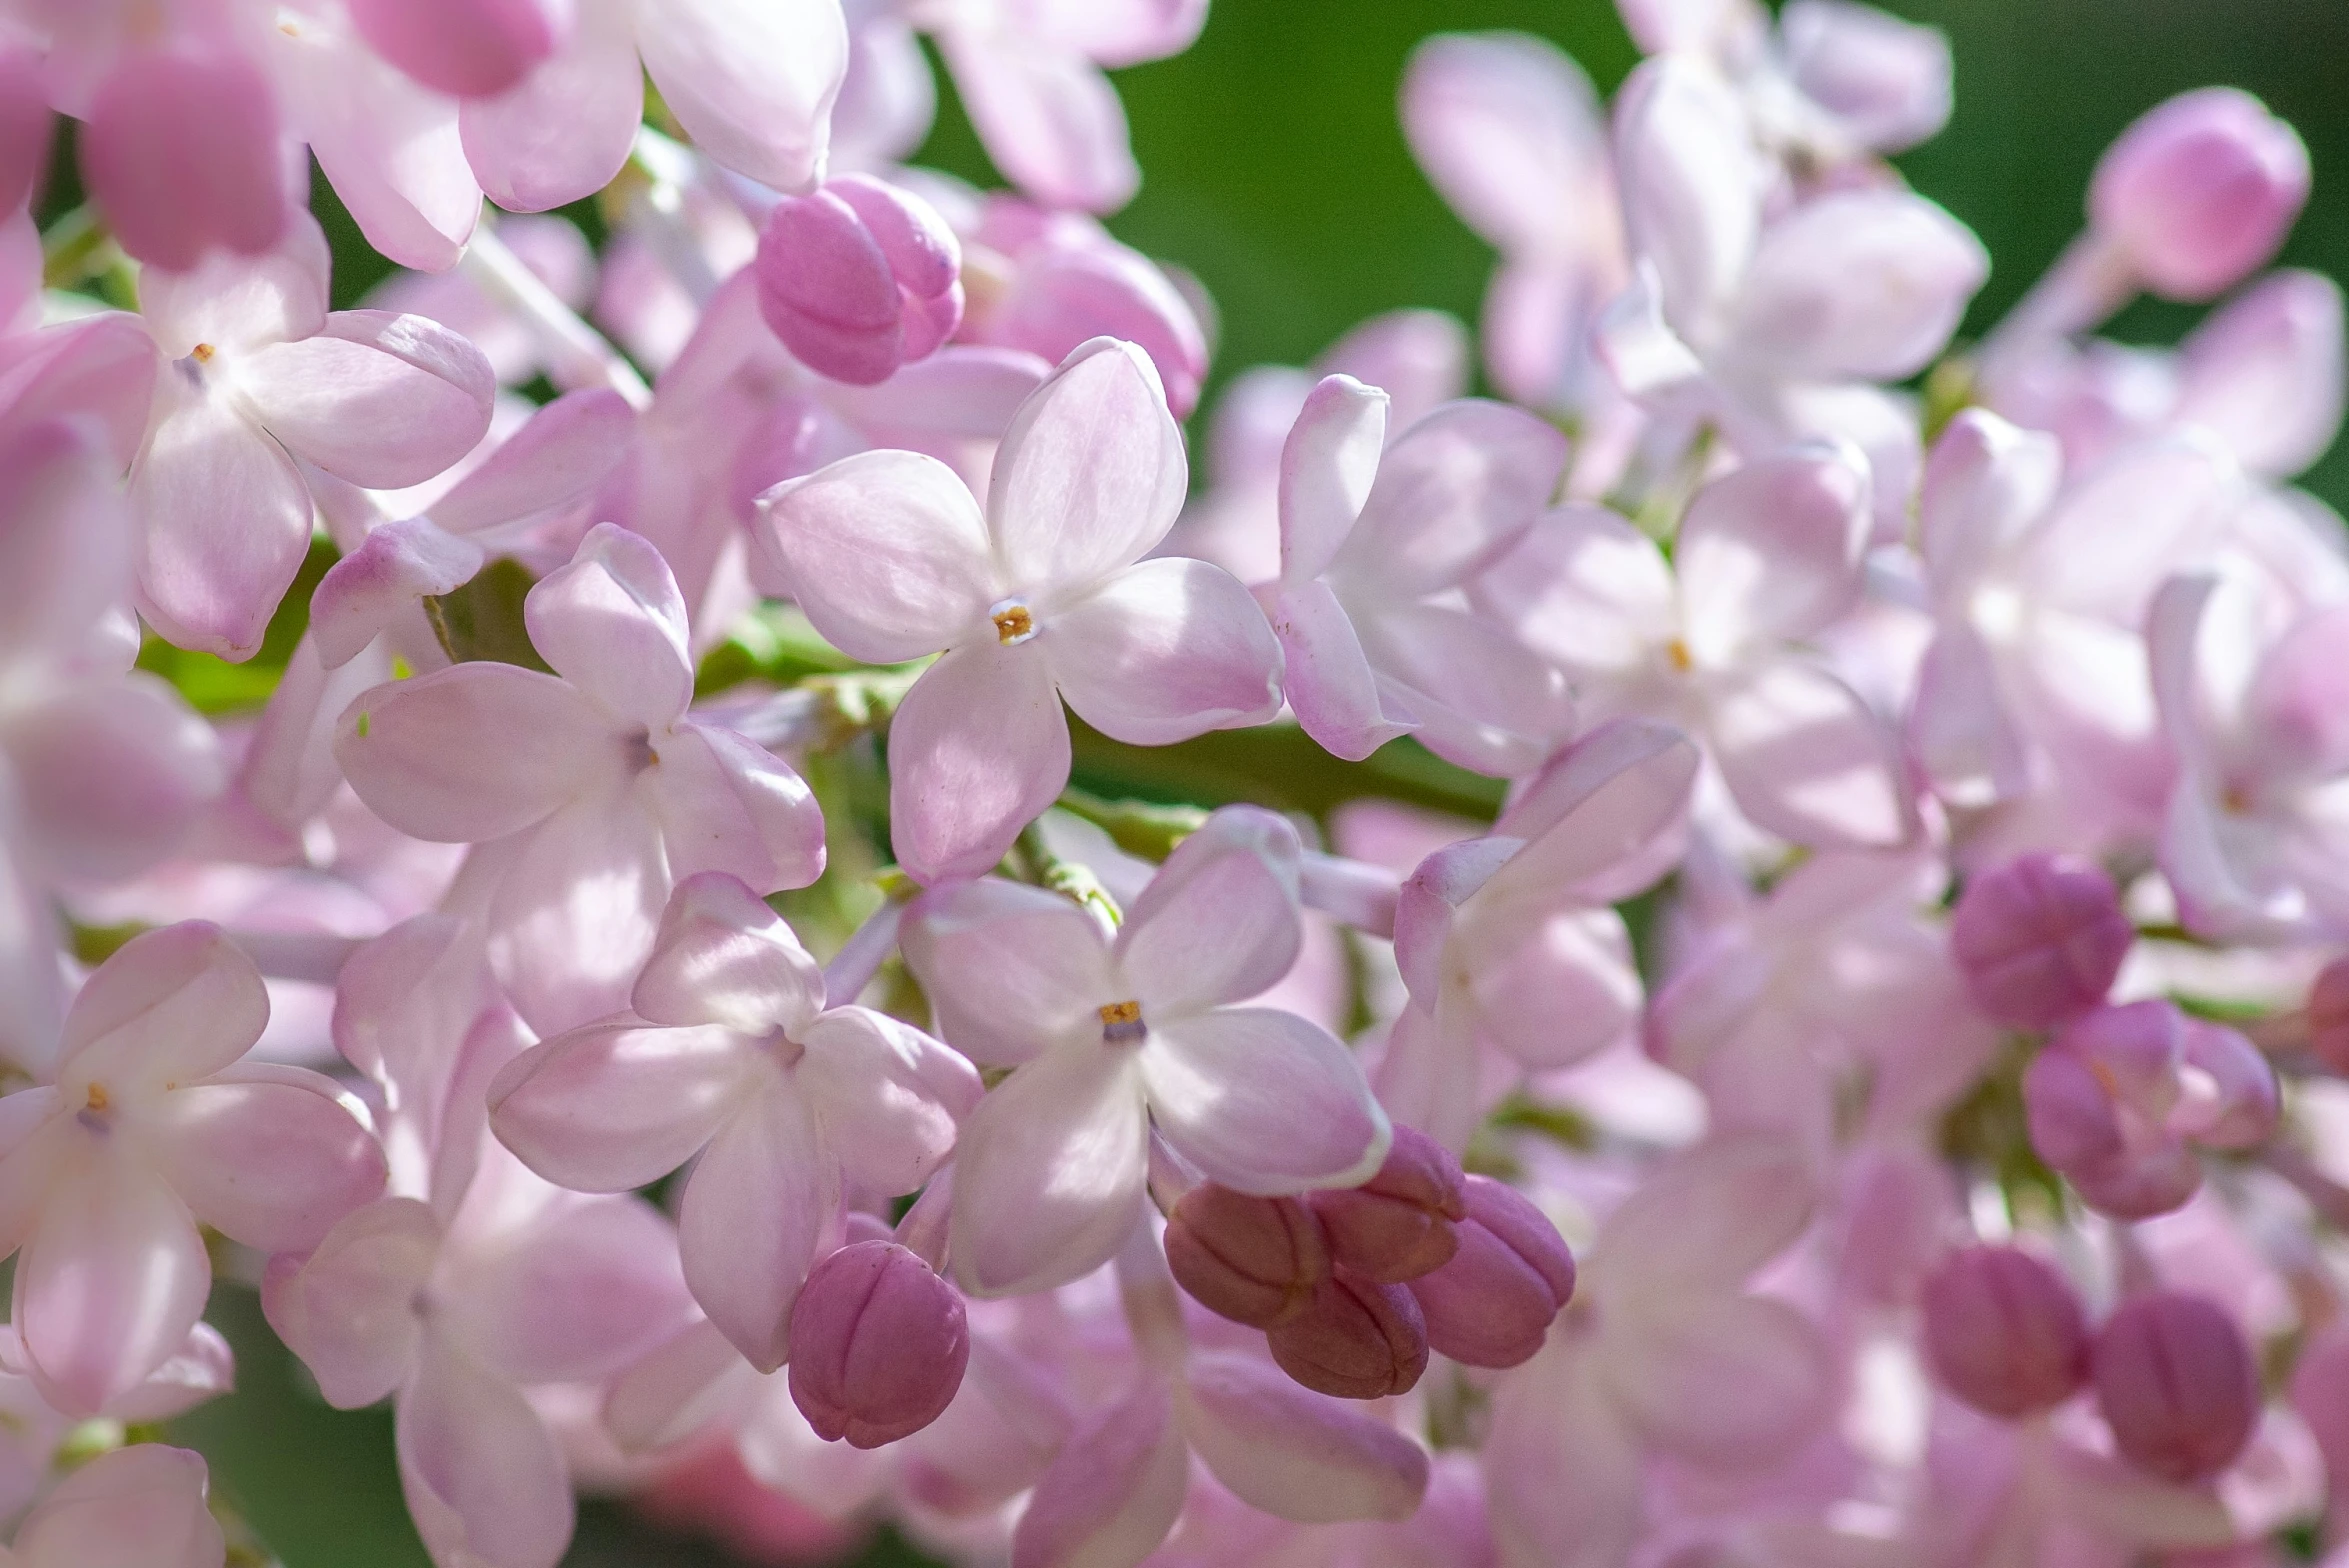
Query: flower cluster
1759,973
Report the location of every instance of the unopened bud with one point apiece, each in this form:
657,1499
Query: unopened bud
2039,939
858,278
2199,191
878,1345
1253,1260
1493,1304
2177,1385
2004,1332
2328,1016
1397,1225
1356,1339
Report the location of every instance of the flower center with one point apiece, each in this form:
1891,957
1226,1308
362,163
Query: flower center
1014,622
95,1104
202,353
1121,1022
1677,655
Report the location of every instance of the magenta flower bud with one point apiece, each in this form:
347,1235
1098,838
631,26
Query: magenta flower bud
2105,1105
2328,1016
1493,1304
1356,1339
878,1345
859,278
1397,1225
465,48
2177,1385
2039,939
2199,191
2004,1332
1254,1260
182,152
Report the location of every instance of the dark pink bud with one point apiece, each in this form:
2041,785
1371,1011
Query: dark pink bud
2199,191
1493,1304
859,278
1254,1260
465,48
1356,1339
2328,1016
2004,1332
1397,1225
182,152
878,1345
2177,1385
2039,939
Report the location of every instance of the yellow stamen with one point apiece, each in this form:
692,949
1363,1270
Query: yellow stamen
1012,623
1677,654
1122,1022
203,353
98,1100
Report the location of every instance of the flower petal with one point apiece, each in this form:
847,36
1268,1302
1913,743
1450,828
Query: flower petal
565,130
751,81
475,751
1601,820
1219,923
1050,120
484,1480
1705,1220
1959,727
172,1005
724,957
1726,1381
1509,130
612,623
1858,285
1009,969
885,551
1113,1492
978,749
728,804
1328,465
1091,474
1454,491
1263,1101
110,775
1048,1180
1484,700
348,1309
399,564
1806,760
1293,1453
614,1107
1771,553
1163,651
1692,183
887,1095
755,1211
1330,686
136,1507
578,1291
382,400
268,1156
576,912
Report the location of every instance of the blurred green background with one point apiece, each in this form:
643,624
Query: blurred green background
1275,172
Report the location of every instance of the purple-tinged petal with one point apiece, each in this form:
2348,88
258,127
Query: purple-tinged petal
562,453
585,1287
1091,474
381,400
1772,552
1727,1381
400,564
484,1480
1967,744
614,1107
1508,127
1165,650
724,957
242,302
1985,485
1294,1453
612,623
1009,969
1048,1179
885,551
728,804
575,914
2266,373
1692,183
475,751
1484,701
1328,466
204,1369
1262,1101
1114,1491
1858,285
136,1507
1219,923
181,152
110,776
1454,491
348,1309
268,1156
1805,759
1049,119
1705,1220
171,1006
465,48
751,81
755,1212
887,1095
1330,685
979,748
1886,80
1601,819
564,131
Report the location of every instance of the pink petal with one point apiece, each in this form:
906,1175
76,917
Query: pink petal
1219,923
181,151
614,1107
2295,717
1858,285
613,624
1009,968
561,454
269,1156
751,81
1330,685
1726,1381
1050,120
25,124
1117,33
887,1095
1964,739
885,551
1509,130
348,1309
1163,651
1772,552
400,564
1293,1453
755,1212
1113,1492
465,48
473,752
204,1369
564,131
724,957
1553,1420
64,553
1806,760
1484,701
676,1392
224,521
136,1507
1262,1101
2266,373
1601,818
242,302
576,913
728,804
1048,1180
379,399
1455,490
111,1282
483,1477
1887,80
102,368
1985,485
1706,1219
581,1289
172,1005
980,748
1552,989
111,775
1692,183
1090,475
1328,465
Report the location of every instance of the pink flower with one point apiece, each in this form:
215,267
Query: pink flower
1374,541
140,1505
151,1125
1038,598
255,374
1113,1039
859,277
732,1056
599,765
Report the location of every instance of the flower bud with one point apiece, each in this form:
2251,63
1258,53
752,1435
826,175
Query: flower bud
2039,939
1253,1260
466,48
2328,1016
858,278
1356,1339
2176,1383
1397,1225
2003,1331
1493,1304
878,1345
2199,191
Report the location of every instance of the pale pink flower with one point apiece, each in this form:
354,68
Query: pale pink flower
152,1124
1114,1039
1718,639
1041,596
136,1507
256,374
601,766
731,1059
1376,542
